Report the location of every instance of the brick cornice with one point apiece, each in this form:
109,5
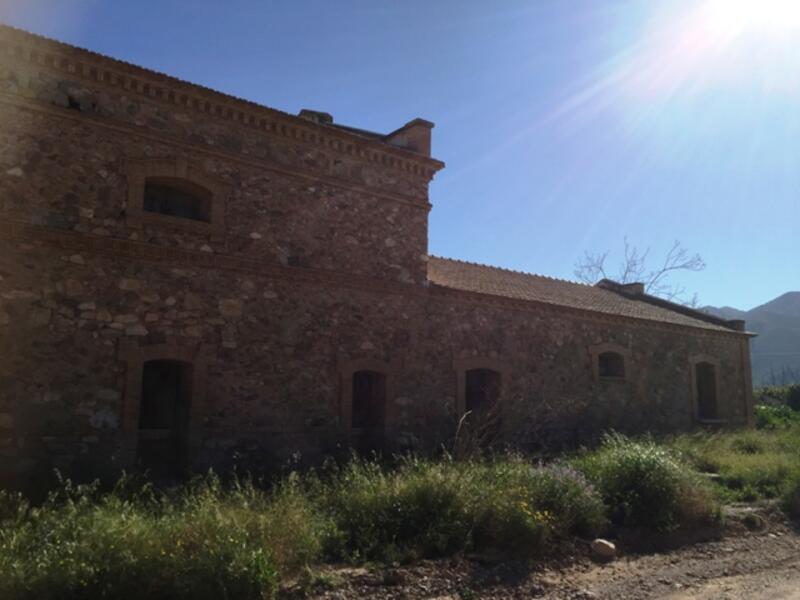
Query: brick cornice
16,231
97,69
177,142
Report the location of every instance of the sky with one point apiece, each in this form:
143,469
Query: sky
567,126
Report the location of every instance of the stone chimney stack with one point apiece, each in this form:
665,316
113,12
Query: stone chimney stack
414,135
316,116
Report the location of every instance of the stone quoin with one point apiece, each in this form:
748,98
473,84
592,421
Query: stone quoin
189,279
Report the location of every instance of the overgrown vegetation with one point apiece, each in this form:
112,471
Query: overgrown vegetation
208,540
752,465
646,485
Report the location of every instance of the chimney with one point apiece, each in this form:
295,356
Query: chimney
414,135
316,116
632,289
628,289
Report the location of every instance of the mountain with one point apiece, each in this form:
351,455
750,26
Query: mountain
776,350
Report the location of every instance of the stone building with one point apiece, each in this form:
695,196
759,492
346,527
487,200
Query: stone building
187,277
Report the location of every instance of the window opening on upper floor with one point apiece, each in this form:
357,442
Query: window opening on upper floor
177,198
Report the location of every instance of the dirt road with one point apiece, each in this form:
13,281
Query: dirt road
749,565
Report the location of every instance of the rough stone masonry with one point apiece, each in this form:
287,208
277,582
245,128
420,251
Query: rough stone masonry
190,279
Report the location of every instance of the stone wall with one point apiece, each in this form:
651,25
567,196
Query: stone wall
293,191
278,345
317,270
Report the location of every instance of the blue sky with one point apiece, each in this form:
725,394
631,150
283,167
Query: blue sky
566,125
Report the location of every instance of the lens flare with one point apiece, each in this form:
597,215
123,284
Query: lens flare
731,18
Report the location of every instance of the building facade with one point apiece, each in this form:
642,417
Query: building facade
187,278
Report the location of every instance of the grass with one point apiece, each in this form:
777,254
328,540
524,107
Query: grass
747,465
206,540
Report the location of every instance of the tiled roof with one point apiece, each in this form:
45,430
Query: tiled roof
494,281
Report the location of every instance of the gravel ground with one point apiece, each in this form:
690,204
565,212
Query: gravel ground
742,563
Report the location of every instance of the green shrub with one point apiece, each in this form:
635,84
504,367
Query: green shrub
775,416
518,507
428,509
417,510
646,485
776,395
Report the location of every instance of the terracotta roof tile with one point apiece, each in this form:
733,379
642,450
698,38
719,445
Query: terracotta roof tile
482,279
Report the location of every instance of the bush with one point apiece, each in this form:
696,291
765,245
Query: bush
776,416
417,510
646,485
786,395
430,509
518,507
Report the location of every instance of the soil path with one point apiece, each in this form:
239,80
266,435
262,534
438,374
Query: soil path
743,565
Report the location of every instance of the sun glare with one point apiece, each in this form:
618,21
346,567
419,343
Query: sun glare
737,17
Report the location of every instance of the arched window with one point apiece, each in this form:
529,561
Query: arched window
481,390
706,391
177,198
191,199
611,365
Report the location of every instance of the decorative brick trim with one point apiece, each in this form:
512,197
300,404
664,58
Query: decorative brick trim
41,52
179,144
462,365
136,355
695,408
347,367
598,349
175,168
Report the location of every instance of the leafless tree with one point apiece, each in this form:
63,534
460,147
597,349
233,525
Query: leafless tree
634,267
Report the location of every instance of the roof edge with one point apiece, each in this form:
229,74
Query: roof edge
635,291
24,37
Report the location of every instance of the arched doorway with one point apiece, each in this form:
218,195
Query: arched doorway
706,391
368,414
164,417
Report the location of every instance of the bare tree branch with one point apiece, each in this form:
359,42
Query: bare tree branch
633,268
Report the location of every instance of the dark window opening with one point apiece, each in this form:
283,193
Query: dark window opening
611,364
482,390
177,198
368,422
706,382
164,417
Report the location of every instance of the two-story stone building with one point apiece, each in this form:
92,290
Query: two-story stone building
186,276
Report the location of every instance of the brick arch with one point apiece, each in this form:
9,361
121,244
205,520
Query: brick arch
598,349
462,365
179,169
135,356
347,367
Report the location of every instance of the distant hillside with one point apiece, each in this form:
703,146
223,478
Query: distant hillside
776,350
